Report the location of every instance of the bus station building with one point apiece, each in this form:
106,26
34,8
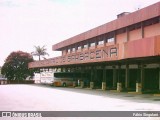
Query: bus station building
121,55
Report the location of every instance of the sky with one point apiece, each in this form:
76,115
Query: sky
28,23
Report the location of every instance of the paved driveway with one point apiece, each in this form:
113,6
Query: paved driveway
46,98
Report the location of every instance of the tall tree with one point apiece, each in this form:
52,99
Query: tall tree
16,66
40,51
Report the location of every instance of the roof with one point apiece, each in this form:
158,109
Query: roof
124,21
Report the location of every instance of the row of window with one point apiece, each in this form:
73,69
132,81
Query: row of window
109,37
93,44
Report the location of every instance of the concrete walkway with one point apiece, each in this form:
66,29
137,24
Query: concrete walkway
46,98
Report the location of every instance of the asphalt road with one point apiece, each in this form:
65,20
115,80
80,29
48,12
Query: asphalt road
46,98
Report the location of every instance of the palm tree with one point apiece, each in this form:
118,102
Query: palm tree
40,51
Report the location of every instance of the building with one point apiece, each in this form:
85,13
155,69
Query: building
123,54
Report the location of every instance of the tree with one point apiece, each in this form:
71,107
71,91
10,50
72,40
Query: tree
16,66
40,51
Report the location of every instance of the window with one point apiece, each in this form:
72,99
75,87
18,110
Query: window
79,47
110,40
73,49
85,46
69,50
101,42
92,44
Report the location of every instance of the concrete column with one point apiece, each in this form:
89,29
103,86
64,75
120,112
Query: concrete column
119,87
104,79
95,79
91,85
127,77
119,73
82,71
142,77
119,84
138,87
95,74
104,74
82,84
92,74
103,85
138,74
